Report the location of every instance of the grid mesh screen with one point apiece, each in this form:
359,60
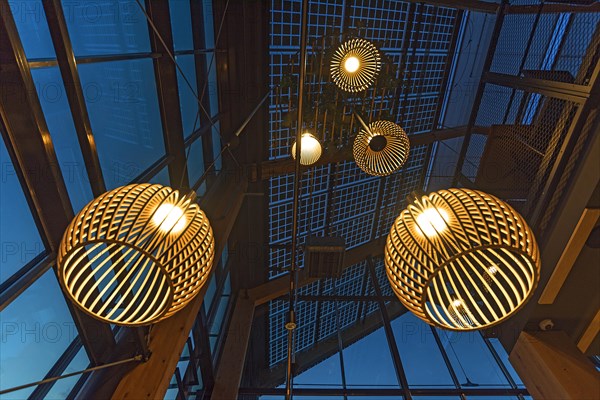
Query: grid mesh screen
345,201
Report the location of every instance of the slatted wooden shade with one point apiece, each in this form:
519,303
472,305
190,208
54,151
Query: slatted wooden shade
382,149
355,65
461,259
136,254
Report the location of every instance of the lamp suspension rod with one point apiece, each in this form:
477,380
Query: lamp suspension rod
228,144
55,378
260,103
291,324
361,121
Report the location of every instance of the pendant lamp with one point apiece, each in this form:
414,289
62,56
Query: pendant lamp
461,259
381,148
355,65
310,150
136,254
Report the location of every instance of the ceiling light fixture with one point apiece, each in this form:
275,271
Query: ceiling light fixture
381,149
136,254
310,150
461,259
355,65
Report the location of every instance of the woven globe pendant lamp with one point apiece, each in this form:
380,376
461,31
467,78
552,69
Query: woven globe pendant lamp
461,259
354,65
381,148
136,254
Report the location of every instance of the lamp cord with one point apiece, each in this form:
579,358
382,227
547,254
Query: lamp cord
55,378
189,85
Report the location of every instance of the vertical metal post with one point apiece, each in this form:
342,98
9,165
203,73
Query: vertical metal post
291,324
389,333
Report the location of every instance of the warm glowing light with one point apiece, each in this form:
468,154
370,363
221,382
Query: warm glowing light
457,303
352,64
493,270
432,221
310,151
169,218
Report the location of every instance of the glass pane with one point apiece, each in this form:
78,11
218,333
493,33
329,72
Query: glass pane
420,354
107,27
195,162
30,19
63,387
172,394
368,361
122,101
162,177
53,98
21,245
36,329
327,373
188,96
181,24
504,357
471,359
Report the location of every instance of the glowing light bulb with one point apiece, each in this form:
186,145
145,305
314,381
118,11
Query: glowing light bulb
169,218
457,303
352,64
493,270
432,221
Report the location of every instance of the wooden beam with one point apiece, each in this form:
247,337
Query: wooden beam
590,333
552,367
582,231
167,338
268,169
231,366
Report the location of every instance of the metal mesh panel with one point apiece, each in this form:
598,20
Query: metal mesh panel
548,42
526,130
354,201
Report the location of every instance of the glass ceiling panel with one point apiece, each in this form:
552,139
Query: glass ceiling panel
181,24
122,102
106,27
31,23
36,329
55,105
420,354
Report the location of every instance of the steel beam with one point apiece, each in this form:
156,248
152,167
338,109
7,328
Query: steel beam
269,169
30,146
439,393
199,40
389,333
556,89
70,76
279,286
165,72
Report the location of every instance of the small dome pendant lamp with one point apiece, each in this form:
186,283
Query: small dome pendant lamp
310,150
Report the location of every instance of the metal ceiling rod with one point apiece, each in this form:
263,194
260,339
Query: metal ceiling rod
291,323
